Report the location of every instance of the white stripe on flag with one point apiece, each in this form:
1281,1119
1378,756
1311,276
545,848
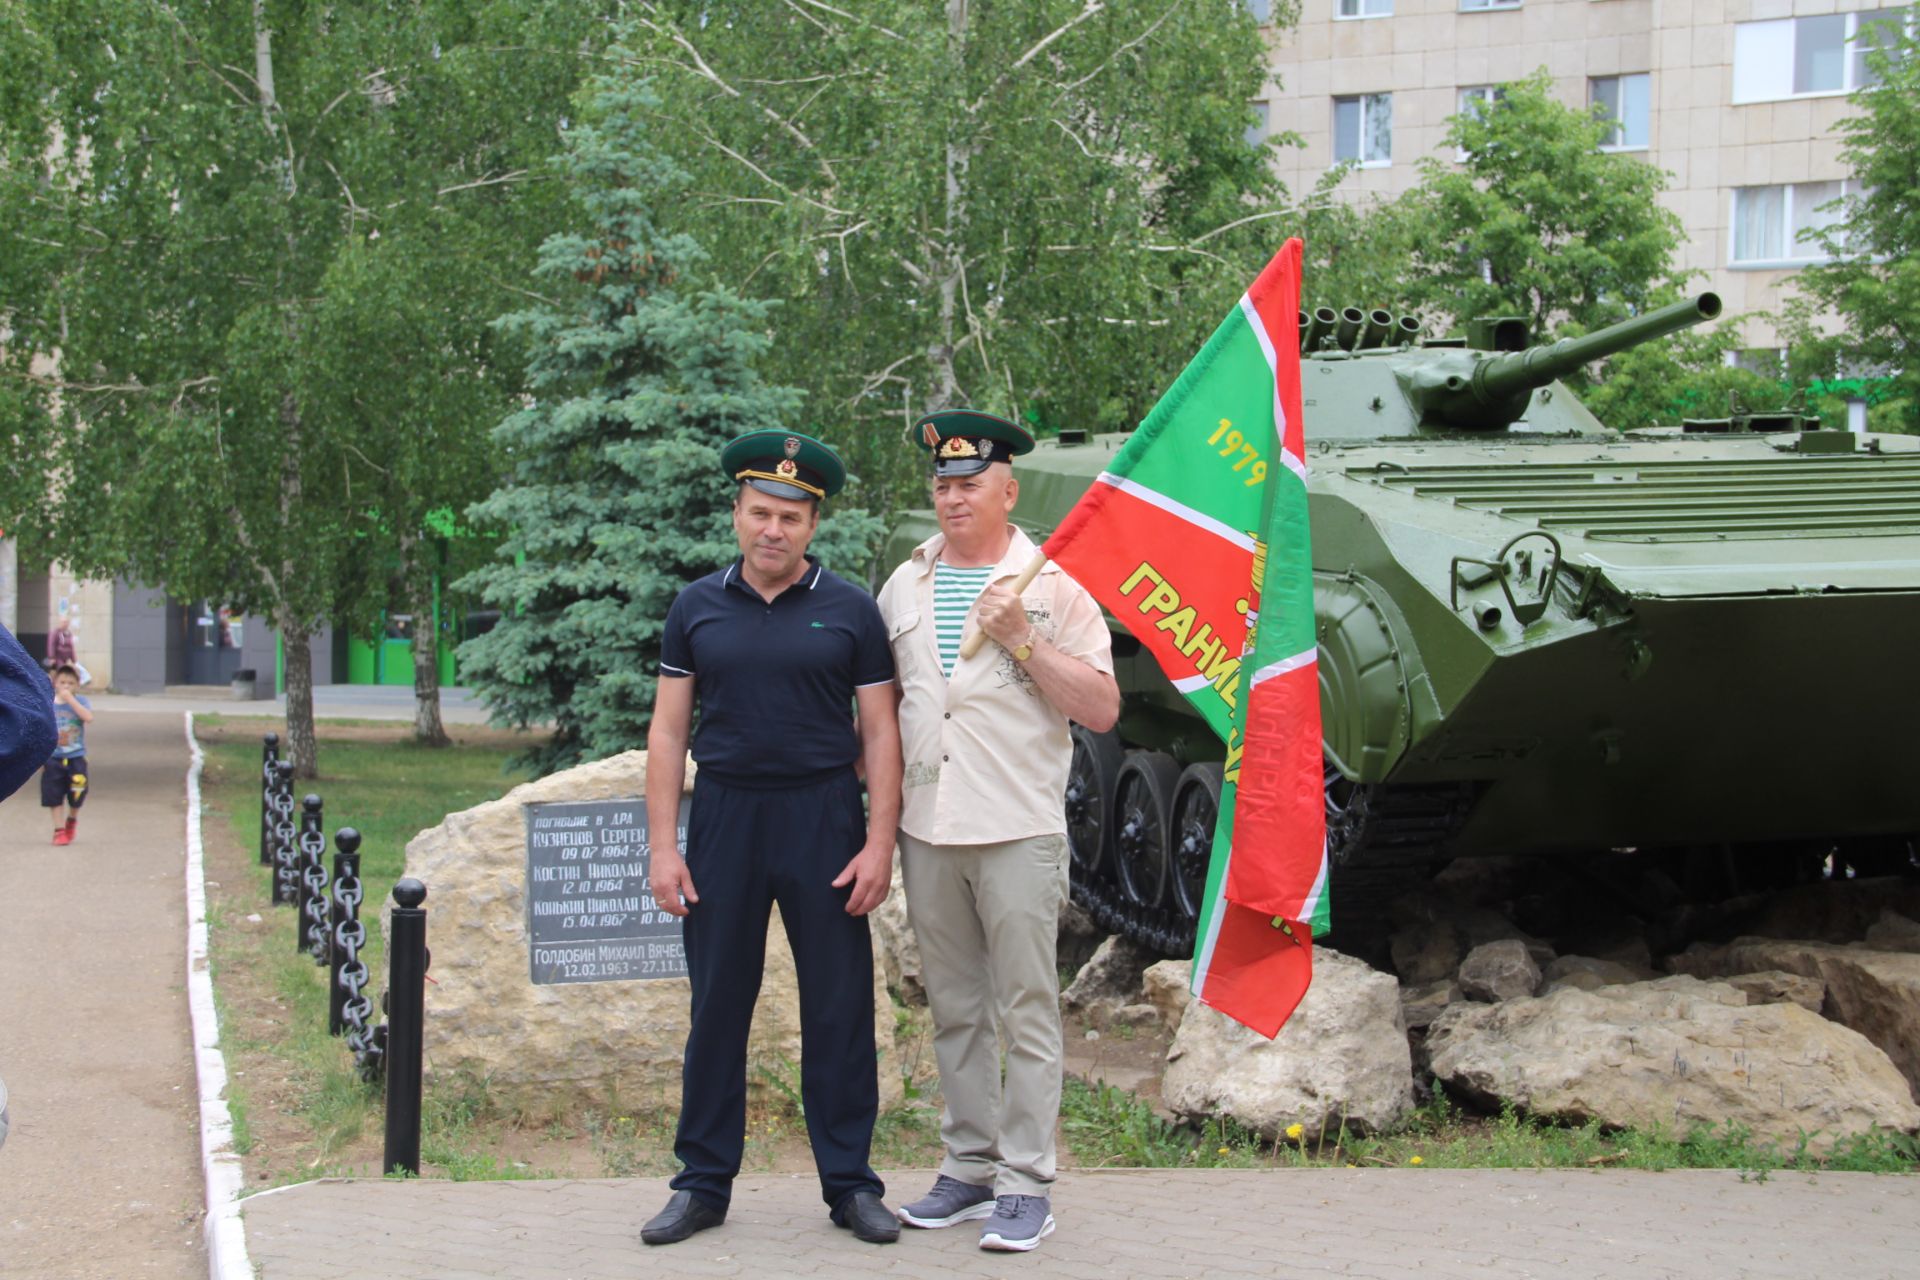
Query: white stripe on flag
1312,902
1294,464
1198,518
1281,667
1203,951
1191,684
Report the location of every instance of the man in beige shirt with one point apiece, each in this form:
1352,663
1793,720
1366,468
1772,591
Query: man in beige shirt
983,842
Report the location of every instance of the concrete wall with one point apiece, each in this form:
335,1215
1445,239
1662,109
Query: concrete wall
144,660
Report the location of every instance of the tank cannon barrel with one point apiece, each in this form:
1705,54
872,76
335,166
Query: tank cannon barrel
1494,393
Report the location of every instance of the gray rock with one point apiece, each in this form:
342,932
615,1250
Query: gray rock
1427,951
1605,973
1168,988
1893,932
1341,1057
1078,937
1419,1006
1111,979
1677,1052
1503,970
1775,986
1877,993
1135,1015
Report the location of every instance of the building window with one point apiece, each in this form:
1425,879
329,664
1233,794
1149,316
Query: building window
1627,102
1363,129
1262,120
1262,10
1469,6
1792,57
1363,9
1769,222
1474,101
1769,362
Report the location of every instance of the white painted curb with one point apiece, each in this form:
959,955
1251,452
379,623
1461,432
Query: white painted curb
226,1236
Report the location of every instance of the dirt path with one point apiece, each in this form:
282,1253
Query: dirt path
100,1176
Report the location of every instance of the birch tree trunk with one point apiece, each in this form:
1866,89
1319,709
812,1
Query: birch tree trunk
427,727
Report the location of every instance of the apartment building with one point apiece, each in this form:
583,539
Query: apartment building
1736,99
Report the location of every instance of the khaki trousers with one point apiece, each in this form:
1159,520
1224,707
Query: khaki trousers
987,920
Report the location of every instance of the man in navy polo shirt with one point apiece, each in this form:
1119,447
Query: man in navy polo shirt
777,652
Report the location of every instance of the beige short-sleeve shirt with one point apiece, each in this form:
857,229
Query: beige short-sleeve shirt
986,754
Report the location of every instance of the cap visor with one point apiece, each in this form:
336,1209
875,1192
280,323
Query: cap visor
960,466
773,488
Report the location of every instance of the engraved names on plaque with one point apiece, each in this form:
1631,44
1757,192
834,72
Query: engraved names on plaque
590,914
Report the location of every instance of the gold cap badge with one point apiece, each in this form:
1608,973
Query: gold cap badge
958,447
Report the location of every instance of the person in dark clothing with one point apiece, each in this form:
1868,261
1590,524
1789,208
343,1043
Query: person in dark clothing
27,733
776,652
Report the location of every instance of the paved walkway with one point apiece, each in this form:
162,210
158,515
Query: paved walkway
100,1177
1393,1224
330,701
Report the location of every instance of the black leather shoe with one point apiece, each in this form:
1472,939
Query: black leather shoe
868,1219
683,1216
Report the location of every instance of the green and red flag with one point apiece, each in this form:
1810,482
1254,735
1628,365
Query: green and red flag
1195,537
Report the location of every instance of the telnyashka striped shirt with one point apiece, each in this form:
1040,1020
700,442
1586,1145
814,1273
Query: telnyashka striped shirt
954,591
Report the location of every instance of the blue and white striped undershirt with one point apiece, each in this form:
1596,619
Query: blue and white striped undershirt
954,591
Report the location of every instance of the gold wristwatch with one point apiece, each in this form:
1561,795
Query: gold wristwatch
1021,652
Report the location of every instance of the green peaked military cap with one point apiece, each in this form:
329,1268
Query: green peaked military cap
784,464
965,441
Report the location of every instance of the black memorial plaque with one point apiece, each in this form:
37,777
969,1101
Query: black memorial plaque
590,915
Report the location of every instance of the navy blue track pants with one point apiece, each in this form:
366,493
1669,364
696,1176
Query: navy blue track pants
746,850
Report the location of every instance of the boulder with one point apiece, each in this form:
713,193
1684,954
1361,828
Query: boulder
1503,970
543,1049
1427,951
1678,1053
1877,993
1823,911
1341,1058
1589,973
1168,986
1893,932
1776,986
895,949
1078,937
1111,979
1419,1006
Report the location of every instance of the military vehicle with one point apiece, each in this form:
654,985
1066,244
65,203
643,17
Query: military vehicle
1542,636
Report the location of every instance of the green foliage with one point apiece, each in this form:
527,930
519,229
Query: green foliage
614,500
1684,375
1872,280
1038,207
1538,222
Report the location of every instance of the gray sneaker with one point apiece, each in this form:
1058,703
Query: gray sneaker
1018,1223
950,1201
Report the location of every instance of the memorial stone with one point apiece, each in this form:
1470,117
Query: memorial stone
544,1040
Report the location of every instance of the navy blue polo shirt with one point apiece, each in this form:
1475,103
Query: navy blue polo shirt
774,680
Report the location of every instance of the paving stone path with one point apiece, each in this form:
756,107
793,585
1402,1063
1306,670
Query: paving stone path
1389,1224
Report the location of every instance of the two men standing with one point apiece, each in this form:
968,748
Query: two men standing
777,650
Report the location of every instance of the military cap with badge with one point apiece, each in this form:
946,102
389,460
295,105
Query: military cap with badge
966,441
784,464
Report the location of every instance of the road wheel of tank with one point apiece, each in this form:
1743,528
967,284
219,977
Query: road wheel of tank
1143,825
1097,758
1196,808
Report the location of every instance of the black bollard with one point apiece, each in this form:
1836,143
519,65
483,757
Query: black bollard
406,1012
286,846
345,935
269,758
310,887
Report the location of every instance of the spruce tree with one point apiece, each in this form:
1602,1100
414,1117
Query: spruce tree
636,377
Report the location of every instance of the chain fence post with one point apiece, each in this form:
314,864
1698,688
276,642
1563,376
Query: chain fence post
310,931
285,836
345,934
269,759
406,1014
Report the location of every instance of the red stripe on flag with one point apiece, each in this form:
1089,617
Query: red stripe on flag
1275,296
1281,797
1180,588
1258,973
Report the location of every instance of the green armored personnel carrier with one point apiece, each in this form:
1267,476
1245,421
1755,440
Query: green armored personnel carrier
1542,636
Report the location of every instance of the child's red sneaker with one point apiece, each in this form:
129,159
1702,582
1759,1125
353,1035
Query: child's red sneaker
63,836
